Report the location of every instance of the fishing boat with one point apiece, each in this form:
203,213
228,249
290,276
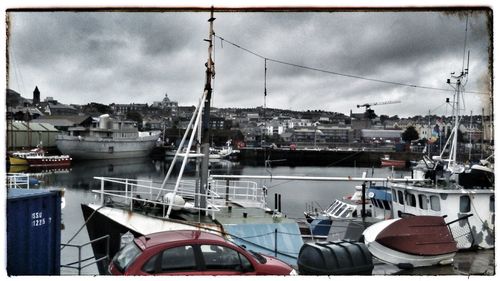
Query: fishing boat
386,161
37,158
413,241
107,139
18,158
453,190
231,208
328,224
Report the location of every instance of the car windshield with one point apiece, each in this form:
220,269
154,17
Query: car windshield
126,256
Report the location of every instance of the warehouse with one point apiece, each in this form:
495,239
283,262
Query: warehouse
21,134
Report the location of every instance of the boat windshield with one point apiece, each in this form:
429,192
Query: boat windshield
126,256
339,211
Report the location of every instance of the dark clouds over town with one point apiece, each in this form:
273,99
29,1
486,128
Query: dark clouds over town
137,57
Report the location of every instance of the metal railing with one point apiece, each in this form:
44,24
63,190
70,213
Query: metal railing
239,191
83,263
131,192
18,181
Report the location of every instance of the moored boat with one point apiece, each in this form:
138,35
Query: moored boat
451,190
386,161
17,160
413,241
107,139
375,205
37,158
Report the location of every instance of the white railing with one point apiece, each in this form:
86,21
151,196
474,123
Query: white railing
129,192
244,192
18,181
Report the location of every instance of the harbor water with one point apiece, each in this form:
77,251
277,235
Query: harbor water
296,197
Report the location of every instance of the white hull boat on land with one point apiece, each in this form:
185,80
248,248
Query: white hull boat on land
415,241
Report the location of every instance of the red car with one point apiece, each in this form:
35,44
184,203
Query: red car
192,252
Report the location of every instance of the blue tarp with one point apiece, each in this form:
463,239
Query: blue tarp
265,238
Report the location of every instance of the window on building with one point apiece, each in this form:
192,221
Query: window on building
492,203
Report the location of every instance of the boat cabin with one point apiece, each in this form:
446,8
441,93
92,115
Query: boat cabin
452,204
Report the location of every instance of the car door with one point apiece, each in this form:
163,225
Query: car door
223,260
179,260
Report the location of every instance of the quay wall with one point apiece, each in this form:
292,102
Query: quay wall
287,157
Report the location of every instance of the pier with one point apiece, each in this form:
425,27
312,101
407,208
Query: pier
324,157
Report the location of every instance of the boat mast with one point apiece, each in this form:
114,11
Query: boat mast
458,86
205,138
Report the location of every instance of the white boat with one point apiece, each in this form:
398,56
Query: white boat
452,190
413,241
108,139
331,223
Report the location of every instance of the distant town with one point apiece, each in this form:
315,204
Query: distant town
249,127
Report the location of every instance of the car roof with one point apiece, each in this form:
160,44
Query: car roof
160,238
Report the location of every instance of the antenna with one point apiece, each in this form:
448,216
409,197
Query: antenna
465,43
468,57
265,81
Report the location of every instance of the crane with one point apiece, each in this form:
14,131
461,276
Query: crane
367,105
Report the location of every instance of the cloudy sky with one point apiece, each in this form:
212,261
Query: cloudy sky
137,57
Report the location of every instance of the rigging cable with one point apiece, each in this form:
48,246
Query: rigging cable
338,73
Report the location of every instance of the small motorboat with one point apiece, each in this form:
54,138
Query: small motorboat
386,161
413,241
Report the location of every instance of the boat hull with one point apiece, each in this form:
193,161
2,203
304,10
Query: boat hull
56,161
16,161
403,260
88,148
393,163
411,242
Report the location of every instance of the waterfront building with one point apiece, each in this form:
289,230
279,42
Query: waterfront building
21,134
59,109
169,105
152,124
123,109
336,134
371,135
64,122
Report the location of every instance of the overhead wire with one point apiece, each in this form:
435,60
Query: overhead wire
337,73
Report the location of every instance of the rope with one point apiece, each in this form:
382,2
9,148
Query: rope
84,224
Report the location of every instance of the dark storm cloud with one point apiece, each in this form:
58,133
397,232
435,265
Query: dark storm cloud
137,57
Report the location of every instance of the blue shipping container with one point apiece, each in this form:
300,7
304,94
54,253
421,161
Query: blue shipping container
33,232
